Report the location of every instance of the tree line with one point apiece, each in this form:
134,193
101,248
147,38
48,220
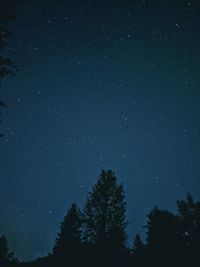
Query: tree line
96,236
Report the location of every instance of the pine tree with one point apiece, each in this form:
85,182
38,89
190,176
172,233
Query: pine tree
7,13
6,256
5,253
138,247
68,241
189,221
162,230
162,237
104,217
138,252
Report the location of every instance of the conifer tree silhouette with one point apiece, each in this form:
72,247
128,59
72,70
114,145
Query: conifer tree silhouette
105,221
7,13
7,258
189,229
138,252
5,253
162,237
68,242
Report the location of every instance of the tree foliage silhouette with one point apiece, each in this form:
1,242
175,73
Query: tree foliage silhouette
68,241
138,252
173,239
104,218
7,14
189,221
5,253
7,258
161,230
97,236
162,236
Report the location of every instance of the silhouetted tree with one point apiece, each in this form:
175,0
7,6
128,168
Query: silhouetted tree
7,13
138,255
189,215
68,243
5,253
138,246
97,237
162,236
161,230
174,240
189,227
6,256
45,261
105,222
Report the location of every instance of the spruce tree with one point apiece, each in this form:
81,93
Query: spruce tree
7,14
189,221
5,253
104,218
139,254
138,247
68,242
7,258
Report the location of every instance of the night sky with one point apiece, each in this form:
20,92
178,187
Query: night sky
100,84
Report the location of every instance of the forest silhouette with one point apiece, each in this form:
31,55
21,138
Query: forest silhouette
96,236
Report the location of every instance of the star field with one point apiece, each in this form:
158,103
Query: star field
99,85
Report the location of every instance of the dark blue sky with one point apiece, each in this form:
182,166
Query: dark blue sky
101,84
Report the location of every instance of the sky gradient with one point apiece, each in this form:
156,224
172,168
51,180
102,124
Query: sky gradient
100,84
